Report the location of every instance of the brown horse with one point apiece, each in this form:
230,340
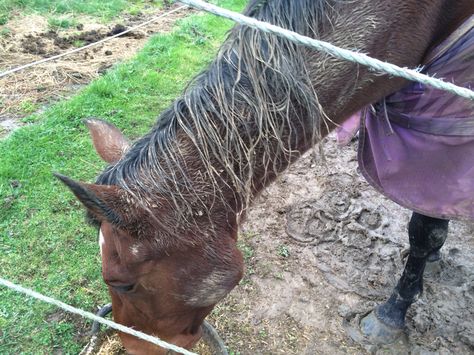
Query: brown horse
169,206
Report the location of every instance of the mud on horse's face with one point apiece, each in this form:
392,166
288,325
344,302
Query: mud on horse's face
158,287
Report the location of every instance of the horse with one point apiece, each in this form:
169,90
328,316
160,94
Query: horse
168,207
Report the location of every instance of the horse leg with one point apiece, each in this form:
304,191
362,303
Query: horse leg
427,235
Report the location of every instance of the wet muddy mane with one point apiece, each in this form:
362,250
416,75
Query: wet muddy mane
237,125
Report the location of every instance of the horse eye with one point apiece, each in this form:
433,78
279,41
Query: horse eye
123,288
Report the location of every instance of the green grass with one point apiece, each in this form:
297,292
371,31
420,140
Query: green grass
44,242
57,23
3,18
105,9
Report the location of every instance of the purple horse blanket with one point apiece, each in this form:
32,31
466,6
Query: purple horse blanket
417,145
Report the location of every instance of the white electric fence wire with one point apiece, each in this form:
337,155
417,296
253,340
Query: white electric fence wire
93,317
22,67
332,50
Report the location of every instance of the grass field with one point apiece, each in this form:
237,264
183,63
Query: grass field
62,12
44,243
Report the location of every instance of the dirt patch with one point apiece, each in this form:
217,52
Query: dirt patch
34,44
27,39
319,244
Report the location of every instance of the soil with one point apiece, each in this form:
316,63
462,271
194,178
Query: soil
25,39
321,245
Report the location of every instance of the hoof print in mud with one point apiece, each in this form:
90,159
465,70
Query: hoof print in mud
348,239
307,223
370,219
318,220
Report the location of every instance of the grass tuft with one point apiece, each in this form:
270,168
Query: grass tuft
60,23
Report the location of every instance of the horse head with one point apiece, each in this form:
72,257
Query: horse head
160,282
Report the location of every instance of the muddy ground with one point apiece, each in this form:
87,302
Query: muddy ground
326,244
321,246
26,39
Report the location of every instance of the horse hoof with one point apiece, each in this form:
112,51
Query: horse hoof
369,331
433,265
377,332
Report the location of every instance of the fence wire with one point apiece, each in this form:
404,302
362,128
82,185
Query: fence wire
89,315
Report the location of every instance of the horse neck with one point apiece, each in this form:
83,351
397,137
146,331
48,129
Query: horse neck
399,32
236,141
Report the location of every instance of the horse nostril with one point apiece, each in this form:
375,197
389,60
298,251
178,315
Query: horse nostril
123,288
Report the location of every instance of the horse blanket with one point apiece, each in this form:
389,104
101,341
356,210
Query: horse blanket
417,145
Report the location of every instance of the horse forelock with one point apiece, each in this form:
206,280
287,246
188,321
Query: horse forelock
242,119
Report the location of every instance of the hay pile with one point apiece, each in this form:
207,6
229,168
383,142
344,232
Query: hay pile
109,344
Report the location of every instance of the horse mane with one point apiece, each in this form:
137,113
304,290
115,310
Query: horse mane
245,116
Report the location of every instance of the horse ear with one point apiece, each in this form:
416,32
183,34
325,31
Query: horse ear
108,141
96,198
